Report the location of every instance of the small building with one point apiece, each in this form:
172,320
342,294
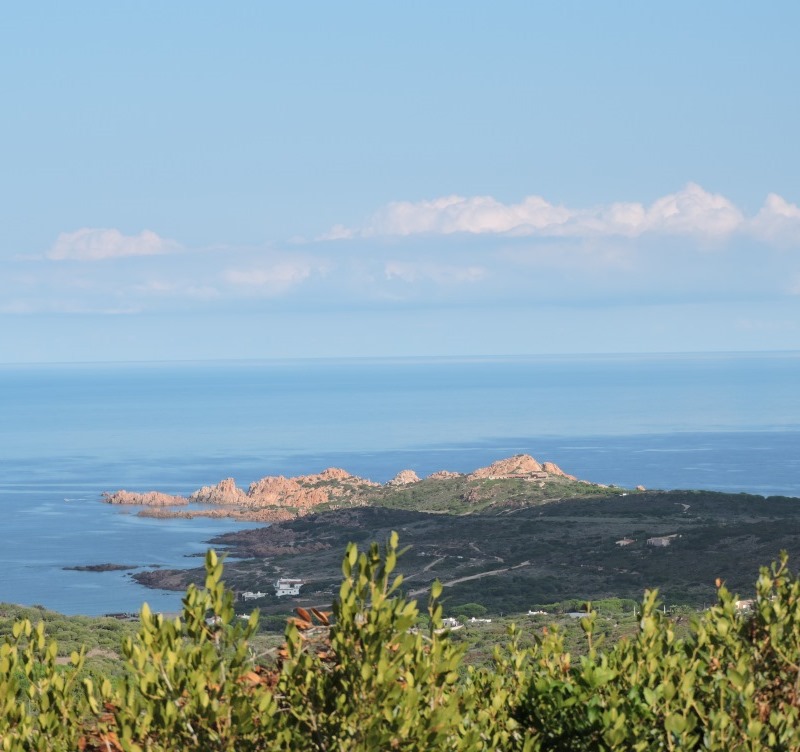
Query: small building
662,541
288,586
475,620
745,605
249,595
450,623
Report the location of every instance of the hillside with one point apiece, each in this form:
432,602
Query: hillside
517,548
509,536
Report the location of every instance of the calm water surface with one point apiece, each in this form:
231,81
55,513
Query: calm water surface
67,433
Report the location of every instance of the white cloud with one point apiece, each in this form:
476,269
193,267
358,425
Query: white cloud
94,244
778,221
690,211
269,280
451,214
337,232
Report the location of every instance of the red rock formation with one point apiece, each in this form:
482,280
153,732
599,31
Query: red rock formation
225,492
275,490
335,474
552,469
277,498
518,466
443,475
150,498
329,474
404,478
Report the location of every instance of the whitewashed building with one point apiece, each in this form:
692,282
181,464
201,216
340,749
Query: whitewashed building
288,586
662,541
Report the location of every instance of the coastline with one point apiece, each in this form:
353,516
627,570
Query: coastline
278,498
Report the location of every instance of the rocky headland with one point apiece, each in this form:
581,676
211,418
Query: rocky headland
277,498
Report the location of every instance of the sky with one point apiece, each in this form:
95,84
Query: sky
198,180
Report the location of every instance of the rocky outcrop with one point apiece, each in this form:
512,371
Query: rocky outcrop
270,499
404,478
148,498
276,497
331,474
552,469
443,475
225,492
334,475
519,466
276,490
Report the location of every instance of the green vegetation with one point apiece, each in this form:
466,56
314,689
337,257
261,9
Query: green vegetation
100,639
463,495
376,674
511,557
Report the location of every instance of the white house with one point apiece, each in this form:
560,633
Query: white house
288,586
662,541
249,595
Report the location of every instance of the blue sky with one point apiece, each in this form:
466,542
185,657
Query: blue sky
254,180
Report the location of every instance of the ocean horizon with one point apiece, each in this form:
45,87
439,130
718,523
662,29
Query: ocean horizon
68,432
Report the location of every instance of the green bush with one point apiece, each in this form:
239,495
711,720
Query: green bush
469,610
376,674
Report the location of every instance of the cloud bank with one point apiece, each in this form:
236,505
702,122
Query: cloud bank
692,211
691,247
93,244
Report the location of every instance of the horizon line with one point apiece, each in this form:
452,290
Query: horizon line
372,358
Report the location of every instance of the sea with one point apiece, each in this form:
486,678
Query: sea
721,421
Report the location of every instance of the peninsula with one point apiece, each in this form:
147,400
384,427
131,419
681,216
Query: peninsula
277,498
511,535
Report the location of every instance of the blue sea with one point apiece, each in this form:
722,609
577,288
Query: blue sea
729,422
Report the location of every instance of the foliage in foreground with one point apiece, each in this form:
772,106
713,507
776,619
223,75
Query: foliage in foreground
364,678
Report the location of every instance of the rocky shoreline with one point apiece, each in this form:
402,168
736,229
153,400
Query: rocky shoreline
278,498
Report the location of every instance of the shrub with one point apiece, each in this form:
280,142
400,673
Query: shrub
469,610
376,674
